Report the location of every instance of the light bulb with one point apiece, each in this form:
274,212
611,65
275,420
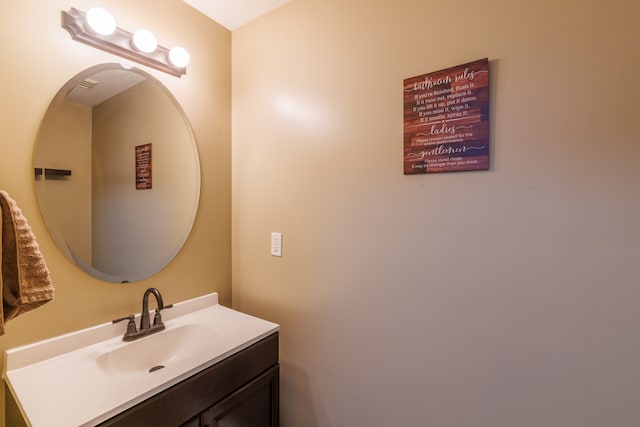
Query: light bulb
179,57
101,21
144,41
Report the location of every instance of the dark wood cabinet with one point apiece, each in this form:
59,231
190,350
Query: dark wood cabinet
239,391
195,422
254,405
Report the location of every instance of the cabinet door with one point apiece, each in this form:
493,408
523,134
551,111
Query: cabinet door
254,405
194,422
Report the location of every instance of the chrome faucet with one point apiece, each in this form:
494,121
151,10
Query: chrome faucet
146,328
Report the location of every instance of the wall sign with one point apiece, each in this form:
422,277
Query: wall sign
446,120
143,167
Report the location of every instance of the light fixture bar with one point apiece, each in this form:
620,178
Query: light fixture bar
118,43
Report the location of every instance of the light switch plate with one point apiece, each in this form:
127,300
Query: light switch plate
276,244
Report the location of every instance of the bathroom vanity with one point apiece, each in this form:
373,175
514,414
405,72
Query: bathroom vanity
241,390
211,366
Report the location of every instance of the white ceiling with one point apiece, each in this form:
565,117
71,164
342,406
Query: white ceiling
234,13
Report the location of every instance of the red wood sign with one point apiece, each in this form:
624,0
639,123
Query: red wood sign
143,167
446,120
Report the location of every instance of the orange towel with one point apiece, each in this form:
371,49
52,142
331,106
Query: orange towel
24,280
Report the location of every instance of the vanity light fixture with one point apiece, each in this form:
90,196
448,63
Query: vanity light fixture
98,29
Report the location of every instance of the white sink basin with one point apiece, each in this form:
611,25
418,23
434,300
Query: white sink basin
88,376
154,352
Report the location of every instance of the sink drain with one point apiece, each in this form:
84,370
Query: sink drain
155,368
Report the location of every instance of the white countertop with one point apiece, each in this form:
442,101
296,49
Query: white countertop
58,382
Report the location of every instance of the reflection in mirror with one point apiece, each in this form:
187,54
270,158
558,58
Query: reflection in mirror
101,220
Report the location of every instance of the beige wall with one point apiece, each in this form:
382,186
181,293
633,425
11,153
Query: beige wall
152,226
62,144
40,57
479,299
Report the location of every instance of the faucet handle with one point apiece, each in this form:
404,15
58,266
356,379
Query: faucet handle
157,319
131,326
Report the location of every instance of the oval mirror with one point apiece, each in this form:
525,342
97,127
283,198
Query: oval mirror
117,173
